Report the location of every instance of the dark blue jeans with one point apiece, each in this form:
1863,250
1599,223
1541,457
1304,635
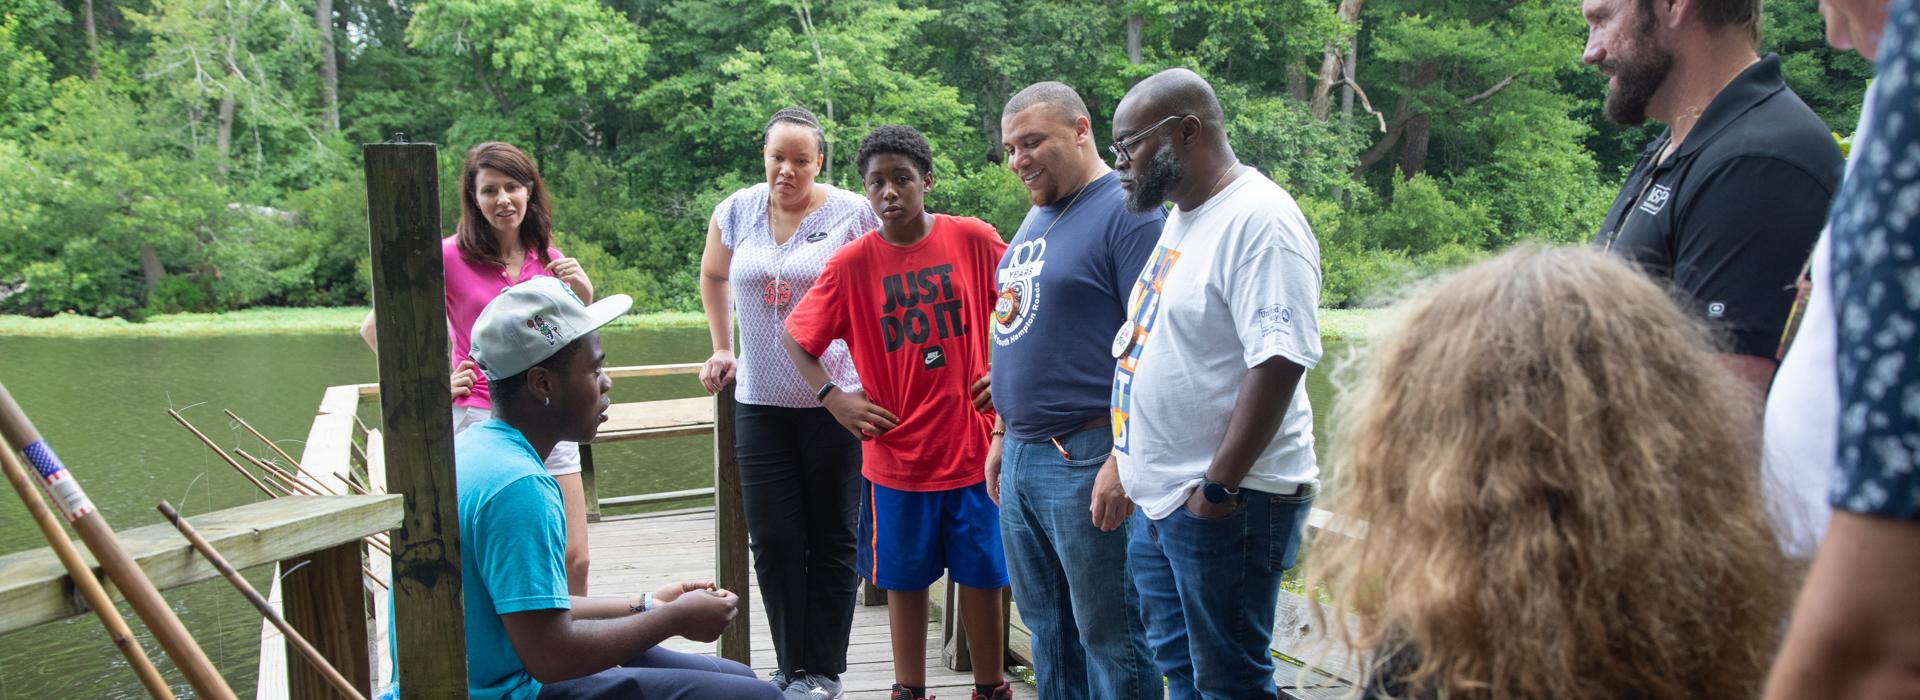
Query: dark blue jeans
1208,590
1070,580
658,674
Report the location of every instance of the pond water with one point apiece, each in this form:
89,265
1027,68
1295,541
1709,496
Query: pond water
102,404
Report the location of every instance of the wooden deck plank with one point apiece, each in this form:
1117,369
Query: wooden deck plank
640,553
653,419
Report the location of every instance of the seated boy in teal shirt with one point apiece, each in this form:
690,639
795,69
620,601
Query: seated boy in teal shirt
526,637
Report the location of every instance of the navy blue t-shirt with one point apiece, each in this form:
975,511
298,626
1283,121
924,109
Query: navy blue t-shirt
1063,295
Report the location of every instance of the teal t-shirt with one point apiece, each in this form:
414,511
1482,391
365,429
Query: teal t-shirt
513,543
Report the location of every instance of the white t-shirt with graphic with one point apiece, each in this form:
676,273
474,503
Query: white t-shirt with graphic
1231,284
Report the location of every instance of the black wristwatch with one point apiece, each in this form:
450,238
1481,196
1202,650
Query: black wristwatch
1218,493
825,389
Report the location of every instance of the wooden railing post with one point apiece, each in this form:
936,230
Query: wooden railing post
730,530
589,483
326,602
403,215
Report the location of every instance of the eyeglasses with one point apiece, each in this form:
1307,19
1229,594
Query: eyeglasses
1123,149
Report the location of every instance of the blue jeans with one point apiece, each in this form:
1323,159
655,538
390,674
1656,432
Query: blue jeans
658,674
1070,580
1208,590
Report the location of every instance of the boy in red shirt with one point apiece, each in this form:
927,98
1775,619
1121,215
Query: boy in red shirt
912,303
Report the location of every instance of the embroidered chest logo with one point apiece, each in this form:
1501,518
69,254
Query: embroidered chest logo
1656,199
546,329
816,236
933,357
1019,284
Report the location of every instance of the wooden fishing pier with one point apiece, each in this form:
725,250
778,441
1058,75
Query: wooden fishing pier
331,551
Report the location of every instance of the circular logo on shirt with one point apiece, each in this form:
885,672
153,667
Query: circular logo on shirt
1019,284
1007,307
777,293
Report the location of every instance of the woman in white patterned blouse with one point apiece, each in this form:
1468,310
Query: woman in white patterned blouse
799,470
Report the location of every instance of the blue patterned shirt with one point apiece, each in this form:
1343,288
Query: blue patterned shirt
1876,272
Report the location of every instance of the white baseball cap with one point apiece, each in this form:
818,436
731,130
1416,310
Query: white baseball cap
531,321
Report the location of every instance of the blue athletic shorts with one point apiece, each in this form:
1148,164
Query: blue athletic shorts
909,538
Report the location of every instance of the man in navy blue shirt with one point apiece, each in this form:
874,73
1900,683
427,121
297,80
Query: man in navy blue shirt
1063,286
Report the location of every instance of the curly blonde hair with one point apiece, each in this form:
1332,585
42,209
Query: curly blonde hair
1561,491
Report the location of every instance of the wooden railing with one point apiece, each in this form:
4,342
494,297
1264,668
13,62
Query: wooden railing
316,539
1297,639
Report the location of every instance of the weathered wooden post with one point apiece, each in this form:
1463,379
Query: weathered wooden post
730,530
403,215
326,601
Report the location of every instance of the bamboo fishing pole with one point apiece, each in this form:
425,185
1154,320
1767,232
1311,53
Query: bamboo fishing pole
94,532
216,450
83,578
371,540
306,650
270,444
286,479
268,467
275,478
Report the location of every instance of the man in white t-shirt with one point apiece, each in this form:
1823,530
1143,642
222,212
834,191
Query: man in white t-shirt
1213,435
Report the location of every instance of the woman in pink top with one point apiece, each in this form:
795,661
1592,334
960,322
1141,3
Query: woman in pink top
505,236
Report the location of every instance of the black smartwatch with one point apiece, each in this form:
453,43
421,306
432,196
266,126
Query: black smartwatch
825,389
1218,493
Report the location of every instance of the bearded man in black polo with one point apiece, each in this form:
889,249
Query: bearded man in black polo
1726,205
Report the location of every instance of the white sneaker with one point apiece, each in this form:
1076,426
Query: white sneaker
780,681
813,686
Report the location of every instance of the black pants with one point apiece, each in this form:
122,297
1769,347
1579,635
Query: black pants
800,478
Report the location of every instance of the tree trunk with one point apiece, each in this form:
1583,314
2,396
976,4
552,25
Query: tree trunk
1297,82
223,139
151,270
1347,69
1134,23
1330,63
329,67
93,44
1413,145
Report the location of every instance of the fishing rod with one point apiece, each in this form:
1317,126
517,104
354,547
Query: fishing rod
94,532
83,578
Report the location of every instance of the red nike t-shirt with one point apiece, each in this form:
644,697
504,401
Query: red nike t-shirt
915,321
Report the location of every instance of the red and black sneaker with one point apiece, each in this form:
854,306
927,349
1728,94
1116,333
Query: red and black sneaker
900,692
1000,692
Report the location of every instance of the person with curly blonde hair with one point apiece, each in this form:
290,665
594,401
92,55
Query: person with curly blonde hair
1561,495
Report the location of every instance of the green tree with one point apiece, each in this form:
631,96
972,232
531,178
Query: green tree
525,70
24,91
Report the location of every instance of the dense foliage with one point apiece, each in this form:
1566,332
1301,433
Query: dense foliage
170,155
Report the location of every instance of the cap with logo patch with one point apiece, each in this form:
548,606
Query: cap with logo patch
531,321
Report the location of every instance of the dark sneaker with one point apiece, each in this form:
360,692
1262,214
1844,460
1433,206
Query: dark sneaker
900,692
1000,692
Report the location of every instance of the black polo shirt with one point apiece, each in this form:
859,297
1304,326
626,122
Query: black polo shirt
1730,217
